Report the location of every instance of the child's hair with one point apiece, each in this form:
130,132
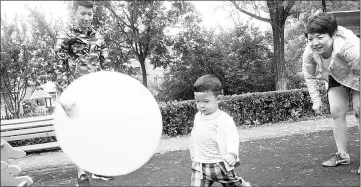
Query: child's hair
324,23
208,83
87,4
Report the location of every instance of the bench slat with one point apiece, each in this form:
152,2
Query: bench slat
28,128
26,120
27,131
38,147
28,136
27,125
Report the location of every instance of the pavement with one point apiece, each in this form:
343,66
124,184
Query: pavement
283,154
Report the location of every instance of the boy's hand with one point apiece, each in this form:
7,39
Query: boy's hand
230,159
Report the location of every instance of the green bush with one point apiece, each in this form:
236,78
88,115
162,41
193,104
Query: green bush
178,117
32,141
247,110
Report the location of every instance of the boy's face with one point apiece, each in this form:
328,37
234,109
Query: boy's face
206,102
321,44
83,17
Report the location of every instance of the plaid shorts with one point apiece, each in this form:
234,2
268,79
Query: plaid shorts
207,174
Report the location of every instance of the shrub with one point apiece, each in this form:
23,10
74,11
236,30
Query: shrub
247,110
32,141
178,117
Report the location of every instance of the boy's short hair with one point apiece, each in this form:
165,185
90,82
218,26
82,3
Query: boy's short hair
87,4
324,23
208,83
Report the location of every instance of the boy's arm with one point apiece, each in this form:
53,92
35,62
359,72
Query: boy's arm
191,146
232,137
191,149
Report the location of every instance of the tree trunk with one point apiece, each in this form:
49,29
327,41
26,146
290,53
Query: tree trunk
278,18
324,5
144,71
279,58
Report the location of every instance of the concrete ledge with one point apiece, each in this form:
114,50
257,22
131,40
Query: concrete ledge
39,147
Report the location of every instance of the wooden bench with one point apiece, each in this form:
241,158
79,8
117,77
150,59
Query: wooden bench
27,128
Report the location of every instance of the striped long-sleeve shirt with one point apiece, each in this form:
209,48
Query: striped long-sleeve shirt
213,137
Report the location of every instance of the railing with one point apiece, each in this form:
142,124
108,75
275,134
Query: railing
21,116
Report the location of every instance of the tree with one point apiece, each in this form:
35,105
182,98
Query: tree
140,28
17,73
239,58
294,41
43,40
278,11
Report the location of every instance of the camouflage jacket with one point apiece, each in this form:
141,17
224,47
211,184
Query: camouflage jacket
78,53
344,66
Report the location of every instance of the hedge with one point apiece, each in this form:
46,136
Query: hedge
247,110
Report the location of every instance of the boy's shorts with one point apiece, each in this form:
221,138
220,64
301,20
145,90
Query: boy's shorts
207,174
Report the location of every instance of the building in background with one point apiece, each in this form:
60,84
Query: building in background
154,75
349,19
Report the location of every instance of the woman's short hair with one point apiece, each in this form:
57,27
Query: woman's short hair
323,23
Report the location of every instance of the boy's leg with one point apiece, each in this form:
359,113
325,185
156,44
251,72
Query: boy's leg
195,181
199,178
230,178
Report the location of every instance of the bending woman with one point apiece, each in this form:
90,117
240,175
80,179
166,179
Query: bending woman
332,54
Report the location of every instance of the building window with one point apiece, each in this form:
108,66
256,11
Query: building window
137,70
53,98
158,80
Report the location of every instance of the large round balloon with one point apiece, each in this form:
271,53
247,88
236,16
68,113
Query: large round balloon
108,123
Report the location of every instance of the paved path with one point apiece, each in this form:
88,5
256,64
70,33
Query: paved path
51,160
288,154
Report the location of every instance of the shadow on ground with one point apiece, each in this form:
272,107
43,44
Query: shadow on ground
283,161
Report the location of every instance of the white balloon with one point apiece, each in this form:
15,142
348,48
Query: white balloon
115,125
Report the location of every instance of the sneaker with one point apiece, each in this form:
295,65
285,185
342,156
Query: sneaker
102,177
336,160
83,180
245,184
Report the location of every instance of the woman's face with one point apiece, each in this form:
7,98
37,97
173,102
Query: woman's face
321,44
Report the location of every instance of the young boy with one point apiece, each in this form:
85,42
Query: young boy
214,138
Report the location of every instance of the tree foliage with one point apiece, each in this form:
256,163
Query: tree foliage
17,70
239,58
44,34
278,11
140,31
